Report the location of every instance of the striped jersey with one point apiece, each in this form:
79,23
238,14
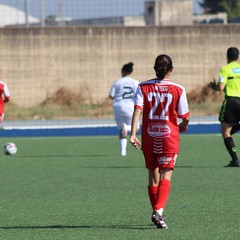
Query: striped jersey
162,103
5,94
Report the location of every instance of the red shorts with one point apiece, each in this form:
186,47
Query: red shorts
161,161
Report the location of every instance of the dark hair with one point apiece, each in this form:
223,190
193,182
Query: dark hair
232,53
127,68
163,64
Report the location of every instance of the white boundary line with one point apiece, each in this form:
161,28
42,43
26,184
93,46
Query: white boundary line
58,126
82,126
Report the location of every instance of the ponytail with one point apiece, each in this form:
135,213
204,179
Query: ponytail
163,64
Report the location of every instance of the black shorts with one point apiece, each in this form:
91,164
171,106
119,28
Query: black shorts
230,111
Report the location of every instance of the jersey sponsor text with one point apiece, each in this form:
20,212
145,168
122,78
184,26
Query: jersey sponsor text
159,130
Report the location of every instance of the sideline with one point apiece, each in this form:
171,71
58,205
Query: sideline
90,127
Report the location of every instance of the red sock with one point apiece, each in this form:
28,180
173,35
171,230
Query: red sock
163,192
152,193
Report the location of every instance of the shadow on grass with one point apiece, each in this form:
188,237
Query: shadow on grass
59,156
133,227
194,167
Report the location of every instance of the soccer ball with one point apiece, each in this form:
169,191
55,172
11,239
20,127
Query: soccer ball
10,148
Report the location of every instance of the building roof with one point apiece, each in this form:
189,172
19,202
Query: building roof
13,16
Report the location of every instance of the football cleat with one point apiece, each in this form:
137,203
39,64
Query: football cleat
123,153
233,164
159,220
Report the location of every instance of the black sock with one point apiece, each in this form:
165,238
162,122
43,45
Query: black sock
235,129
231,148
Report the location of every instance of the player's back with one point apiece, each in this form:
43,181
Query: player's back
230,75
161,108
124,90
161,99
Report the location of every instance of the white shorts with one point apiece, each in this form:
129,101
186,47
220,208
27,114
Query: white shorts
121,118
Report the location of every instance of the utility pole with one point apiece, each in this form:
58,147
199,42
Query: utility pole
42,3
26,13
61,12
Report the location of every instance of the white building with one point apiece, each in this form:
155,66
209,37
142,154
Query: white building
12,16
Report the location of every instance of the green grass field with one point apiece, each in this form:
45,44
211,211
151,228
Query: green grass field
79,188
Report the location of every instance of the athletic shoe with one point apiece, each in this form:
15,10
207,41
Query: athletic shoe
159,220
123,153
233,164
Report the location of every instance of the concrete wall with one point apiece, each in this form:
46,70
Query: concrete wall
38,61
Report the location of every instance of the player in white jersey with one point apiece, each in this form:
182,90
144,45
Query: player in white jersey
122,93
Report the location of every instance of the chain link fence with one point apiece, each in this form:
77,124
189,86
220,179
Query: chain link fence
60,57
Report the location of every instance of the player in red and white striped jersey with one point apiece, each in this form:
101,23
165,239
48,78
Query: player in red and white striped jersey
161,102
4,96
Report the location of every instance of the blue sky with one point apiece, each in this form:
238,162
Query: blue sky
79,9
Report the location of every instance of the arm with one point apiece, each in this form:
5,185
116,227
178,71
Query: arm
112,92
221,87
183,126
183,112
134,128
6,100
6,93
216,87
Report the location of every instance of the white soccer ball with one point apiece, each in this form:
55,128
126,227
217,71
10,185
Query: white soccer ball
10,148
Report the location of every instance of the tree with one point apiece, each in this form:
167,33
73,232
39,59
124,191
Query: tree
231,7
211,6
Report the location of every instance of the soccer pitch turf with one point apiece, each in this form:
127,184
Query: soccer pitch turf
79,188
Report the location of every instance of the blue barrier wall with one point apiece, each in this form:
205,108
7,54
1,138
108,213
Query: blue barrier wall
94,131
